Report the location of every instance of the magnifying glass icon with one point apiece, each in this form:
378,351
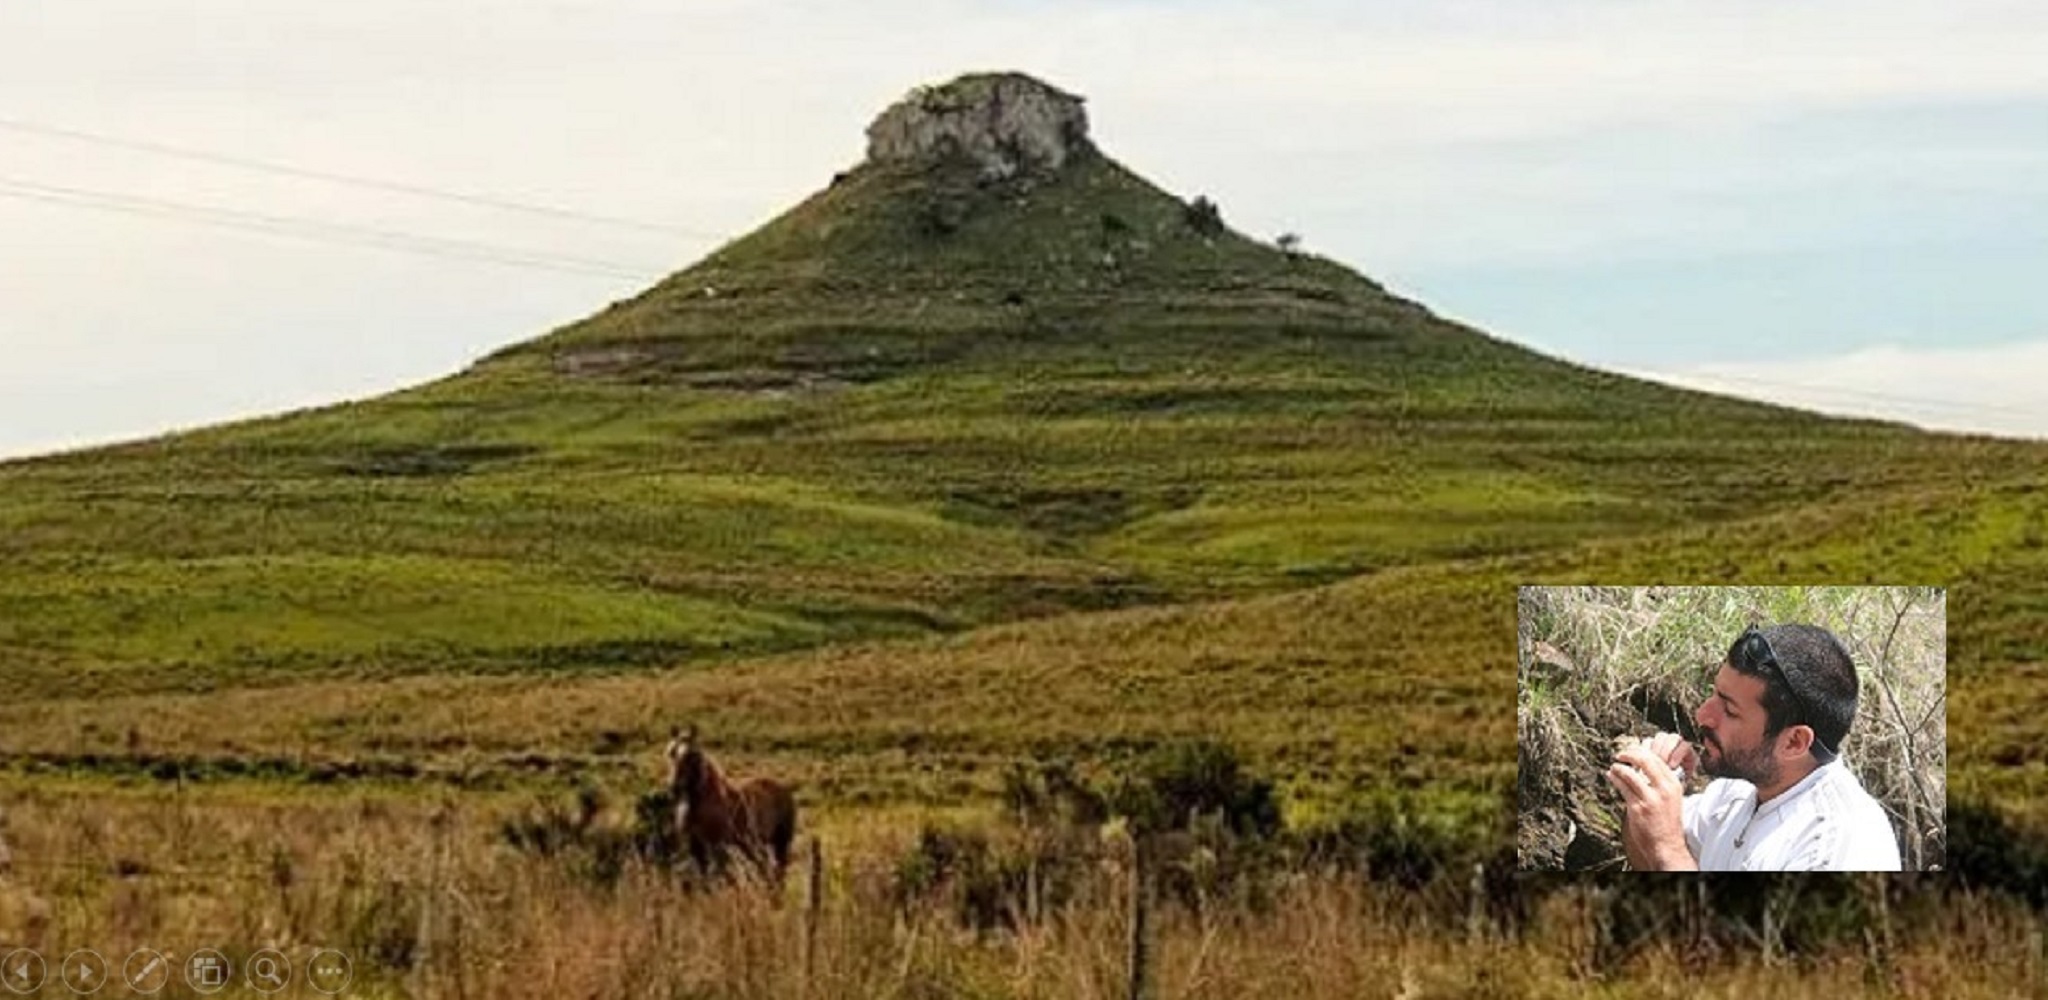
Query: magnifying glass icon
265,971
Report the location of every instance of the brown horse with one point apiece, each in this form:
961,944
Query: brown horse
716,817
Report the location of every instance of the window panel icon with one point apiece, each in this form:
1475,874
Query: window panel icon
207,971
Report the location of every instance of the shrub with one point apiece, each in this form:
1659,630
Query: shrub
941,213
1402,840
655,837
1051,793
991,879
1183,781
549,830
1208,829
1988,851
1203,216
592,851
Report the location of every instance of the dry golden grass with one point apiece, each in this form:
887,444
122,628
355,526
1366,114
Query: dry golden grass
1397,681
431,904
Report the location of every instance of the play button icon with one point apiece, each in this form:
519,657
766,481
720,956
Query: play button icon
85,971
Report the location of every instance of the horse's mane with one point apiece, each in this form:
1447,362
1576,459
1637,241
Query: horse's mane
714,780
709,781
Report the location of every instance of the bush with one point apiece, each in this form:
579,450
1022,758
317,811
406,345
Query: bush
593,851
991,879
655,837
1182,782
1050,794
1987,851
1208,829
1204,217
548,829
1408,841
1209,866
941,213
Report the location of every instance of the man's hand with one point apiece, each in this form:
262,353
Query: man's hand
1676,751
1652,829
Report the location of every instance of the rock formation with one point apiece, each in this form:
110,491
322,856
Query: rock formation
1004,123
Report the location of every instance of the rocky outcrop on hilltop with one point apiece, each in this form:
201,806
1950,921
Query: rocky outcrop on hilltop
1006,124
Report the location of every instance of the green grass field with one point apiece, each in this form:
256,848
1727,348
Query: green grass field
819,458
925,478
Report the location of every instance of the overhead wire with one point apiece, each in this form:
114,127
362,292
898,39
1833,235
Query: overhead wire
318,230
352,180
1734,381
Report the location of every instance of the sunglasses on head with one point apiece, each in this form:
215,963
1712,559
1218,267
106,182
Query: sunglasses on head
1757,653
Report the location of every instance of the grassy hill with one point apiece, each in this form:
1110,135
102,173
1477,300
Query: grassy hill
913,404
923,403
932,475
1392,687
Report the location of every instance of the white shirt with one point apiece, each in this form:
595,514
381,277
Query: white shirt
1826,822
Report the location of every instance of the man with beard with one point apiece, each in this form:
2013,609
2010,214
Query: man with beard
1772,733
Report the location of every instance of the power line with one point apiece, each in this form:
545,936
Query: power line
318,231
398,187
1738,381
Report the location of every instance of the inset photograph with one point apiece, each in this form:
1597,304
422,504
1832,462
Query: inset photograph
1675,728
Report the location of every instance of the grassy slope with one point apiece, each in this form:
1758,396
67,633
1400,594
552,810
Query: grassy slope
912,407
876,425
1391,687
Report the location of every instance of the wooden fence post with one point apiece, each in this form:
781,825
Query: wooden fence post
1034,901
814,902
1596,904
1141,905
1771,929
1877,930
437,850
1475,917
2040,950
1703,918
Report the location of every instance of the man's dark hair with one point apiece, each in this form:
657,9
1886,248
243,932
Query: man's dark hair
1826,679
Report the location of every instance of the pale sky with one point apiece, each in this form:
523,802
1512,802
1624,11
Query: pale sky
1838,204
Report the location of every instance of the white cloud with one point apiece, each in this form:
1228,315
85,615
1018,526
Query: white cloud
1991,390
